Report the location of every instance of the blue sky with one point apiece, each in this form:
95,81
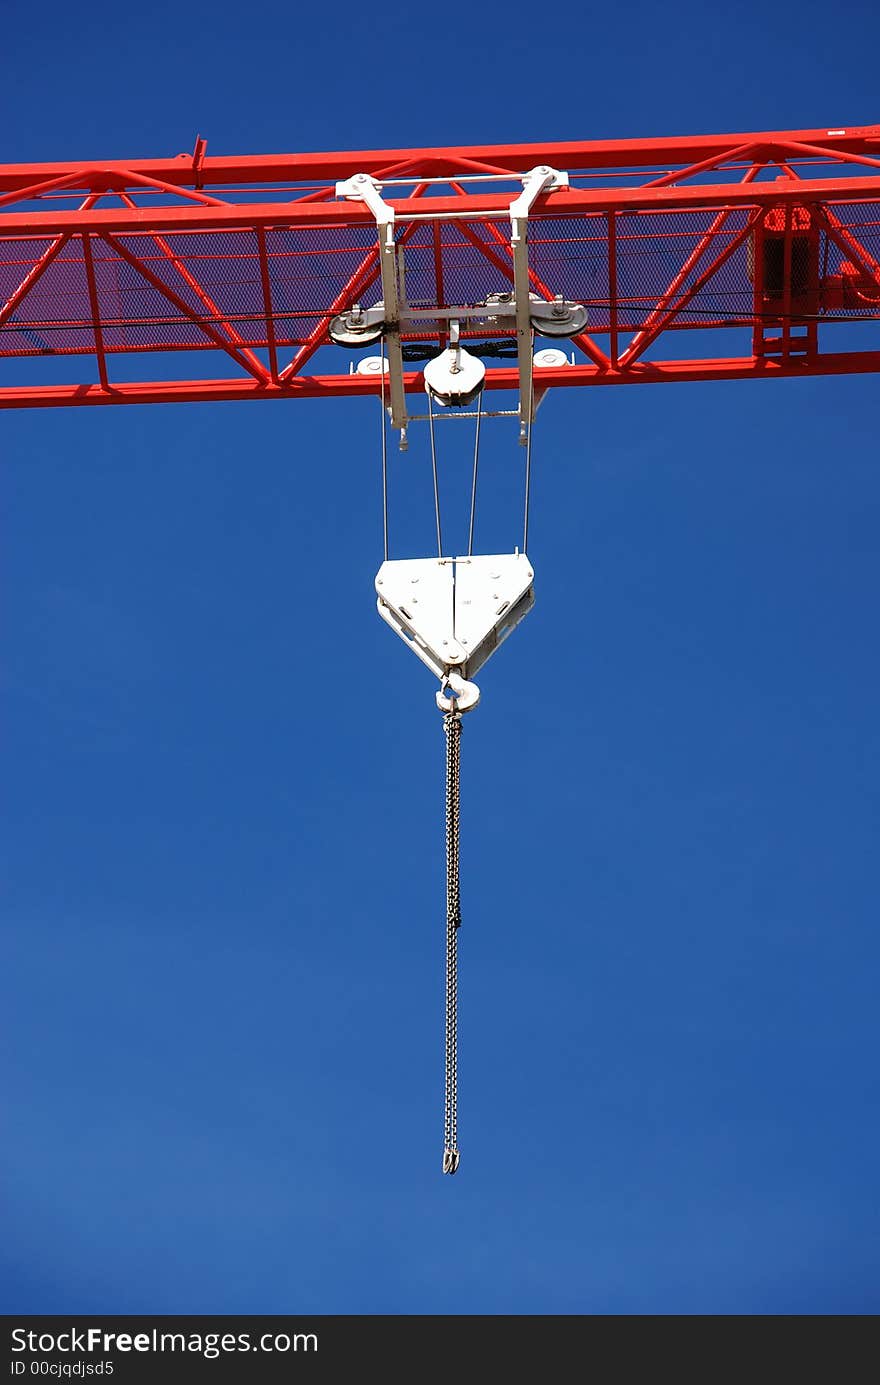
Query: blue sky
222,820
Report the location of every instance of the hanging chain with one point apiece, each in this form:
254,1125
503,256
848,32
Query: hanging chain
452,728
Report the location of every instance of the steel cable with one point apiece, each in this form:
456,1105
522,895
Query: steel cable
384,455
474,481
436,479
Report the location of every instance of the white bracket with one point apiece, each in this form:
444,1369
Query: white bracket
538,180
363,188
522,310
455,612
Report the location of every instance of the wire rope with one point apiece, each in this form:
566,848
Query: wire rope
528,478
436,479
384,455
474,481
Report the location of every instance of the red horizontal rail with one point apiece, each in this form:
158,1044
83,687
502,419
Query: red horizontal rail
568,202
571,154
359,386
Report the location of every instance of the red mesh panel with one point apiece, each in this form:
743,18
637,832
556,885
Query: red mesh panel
310,268
653,254
471,273
54,317
185,290
861,221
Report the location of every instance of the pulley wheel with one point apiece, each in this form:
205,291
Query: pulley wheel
347,331
574,321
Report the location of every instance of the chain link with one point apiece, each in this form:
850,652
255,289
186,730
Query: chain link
452,729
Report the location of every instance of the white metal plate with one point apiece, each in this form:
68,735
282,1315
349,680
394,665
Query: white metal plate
488,589
420,592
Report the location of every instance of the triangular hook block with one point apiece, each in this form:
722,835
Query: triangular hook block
454,612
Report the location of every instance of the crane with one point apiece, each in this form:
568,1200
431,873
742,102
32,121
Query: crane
432,280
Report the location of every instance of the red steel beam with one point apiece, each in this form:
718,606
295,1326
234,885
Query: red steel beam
612,290
566,202
570,154
266,284
338,386
786,277
704,166
97,334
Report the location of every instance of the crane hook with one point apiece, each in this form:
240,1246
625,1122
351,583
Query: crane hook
462,696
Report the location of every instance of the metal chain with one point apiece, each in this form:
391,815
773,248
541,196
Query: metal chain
452,729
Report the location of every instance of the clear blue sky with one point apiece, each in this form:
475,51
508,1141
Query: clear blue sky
222,815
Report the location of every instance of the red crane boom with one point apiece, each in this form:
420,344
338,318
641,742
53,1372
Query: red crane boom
142,267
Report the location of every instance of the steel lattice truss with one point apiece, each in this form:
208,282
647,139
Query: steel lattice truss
197,278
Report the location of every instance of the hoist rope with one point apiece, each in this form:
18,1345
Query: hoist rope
528,488
474,482
452,729
384,455
436,481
